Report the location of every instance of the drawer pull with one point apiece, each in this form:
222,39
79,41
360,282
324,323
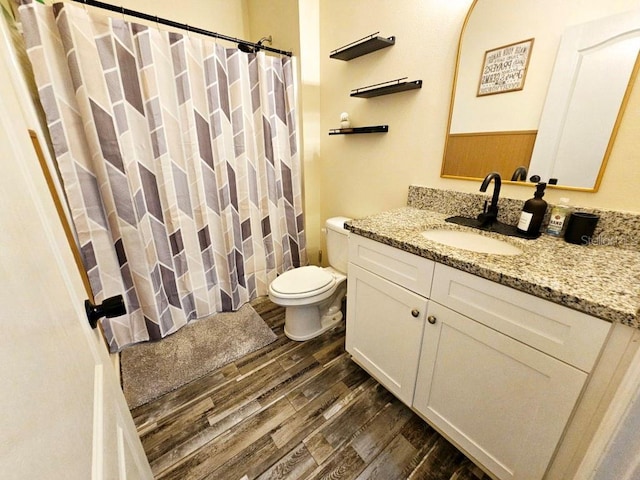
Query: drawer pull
415,312
431,319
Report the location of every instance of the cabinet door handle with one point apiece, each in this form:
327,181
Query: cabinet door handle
431,319
415,312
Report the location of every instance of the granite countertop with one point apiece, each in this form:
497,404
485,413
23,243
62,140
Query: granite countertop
603,281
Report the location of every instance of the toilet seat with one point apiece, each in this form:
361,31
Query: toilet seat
303,282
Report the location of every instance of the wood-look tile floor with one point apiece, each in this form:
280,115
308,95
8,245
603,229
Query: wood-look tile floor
293,410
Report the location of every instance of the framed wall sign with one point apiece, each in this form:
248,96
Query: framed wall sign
505,68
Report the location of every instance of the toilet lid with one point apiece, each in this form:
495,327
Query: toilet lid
303,280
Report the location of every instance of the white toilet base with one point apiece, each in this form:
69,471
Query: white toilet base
308,321
327,324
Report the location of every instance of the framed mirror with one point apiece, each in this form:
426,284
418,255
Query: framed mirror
550,106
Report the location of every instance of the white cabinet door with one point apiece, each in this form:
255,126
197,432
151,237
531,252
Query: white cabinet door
384,330
502,402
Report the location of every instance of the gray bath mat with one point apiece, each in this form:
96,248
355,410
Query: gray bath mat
152,369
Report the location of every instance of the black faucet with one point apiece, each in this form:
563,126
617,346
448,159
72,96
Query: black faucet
519,174
490,213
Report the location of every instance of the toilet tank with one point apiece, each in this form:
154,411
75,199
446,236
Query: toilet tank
337,243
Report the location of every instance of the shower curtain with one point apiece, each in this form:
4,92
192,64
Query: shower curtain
180,163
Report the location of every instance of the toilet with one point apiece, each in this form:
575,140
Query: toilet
312,296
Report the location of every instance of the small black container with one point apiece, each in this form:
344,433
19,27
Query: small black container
580,228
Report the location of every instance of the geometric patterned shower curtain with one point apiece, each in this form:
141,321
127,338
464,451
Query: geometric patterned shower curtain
179,160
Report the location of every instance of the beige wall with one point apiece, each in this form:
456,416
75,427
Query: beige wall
228,17
223,16
365,174
278,18
309,13
358,175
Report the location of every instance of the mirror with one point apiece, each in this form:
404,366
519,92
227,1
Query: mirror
524,70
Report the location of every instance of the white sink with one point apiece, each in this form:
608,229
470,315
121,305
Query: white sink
471,241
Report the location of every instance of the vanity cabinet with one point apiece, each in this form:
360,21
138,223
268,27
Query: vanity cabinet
497,371
387,292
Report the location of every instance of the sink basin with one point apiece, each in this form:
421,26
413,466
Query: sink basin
471,241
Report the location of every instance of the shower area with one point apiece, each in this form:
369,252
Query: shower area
178,154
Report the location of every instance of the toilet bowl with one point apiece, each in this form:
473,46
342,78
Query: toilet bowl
312,296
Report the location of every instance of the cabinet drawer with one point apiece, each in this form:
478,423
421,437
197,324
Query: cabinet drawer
568,335
405,269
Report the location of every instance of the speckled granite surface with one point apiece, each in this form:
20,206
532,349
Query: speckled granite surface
601,280
617,229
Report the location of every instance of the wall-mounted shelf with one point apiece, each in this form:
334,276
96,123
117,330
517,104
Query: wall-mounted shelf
350,131
362,47
385,88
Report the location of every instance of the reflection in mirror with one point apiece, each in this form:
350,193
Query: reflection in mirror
596,66
501,131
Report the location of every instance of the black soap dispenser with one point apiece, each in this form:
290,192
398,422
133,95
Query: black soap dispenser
533,213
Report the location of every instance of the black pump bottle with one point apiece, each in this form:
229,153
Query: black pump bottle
533,213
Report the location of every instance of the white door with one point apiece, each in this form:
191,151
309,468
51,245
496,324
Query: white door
63,414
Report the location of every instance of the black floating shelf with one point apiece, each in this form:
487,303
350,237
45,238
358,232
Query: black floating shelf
362,47
351,131
392,86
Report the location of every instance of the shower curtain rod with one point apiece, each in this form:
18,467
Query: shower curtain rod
182,26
